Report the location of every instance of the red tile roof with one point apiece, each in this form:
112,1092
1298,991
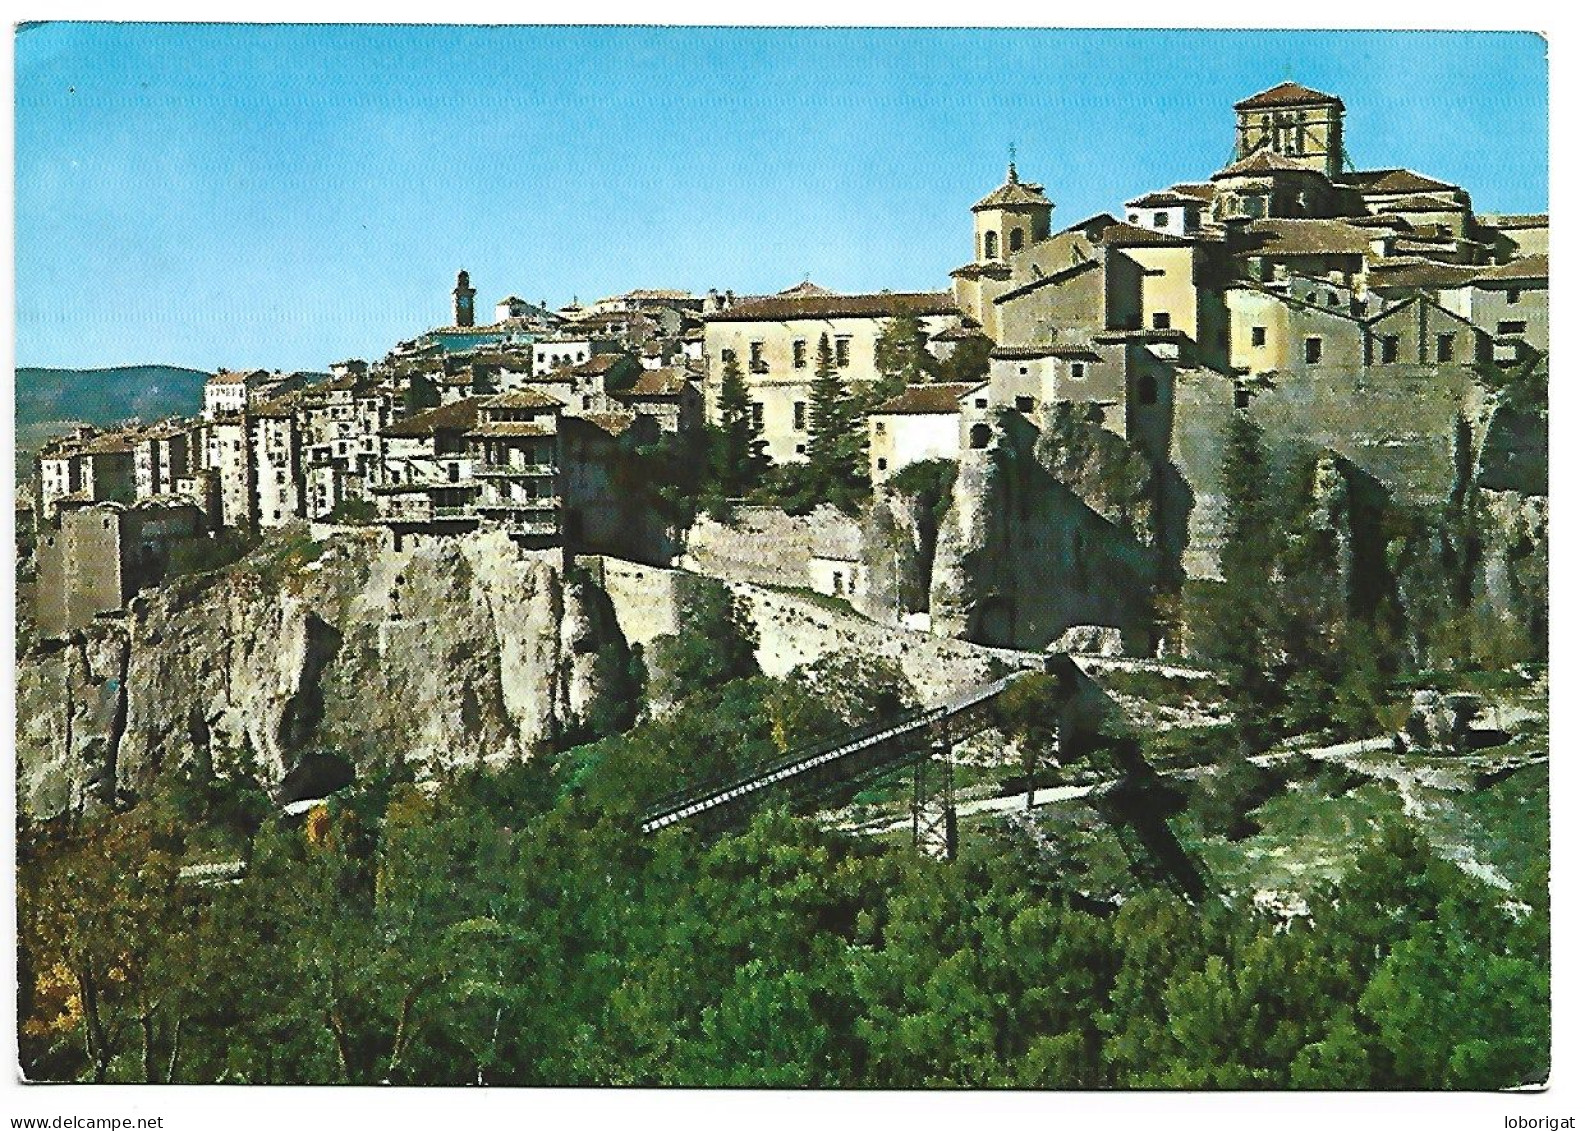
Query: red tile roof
883,305
921,399
1288,94
458,416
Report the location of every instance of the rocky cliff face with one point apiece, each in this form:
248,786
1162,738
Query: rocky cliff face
463,651
1046,532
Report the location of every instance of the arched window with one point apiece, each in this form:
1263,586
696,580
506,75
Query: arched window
1147,389
990,245
980,436
1015,240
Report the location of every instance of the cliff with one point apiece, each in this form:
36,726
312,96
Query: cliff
449,653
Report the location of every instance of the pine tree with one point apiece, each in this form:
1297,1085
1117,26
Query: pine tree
830,420
900,357
739,453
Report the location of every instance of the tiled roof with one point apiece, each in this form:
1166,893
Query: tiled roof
457,416
935,398
612,423
884,305
1419,203
1014,194
1386,181
1287,94
656,383
598,364
976,270
1263,162
1132,235
1526,267
238,377
509,428
1308,237
1199,190
803,288
1527,220
957,334
521,398
1069,352
1164,198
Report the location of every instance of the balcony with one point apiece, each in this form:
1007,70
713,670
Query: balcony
548,503
506,470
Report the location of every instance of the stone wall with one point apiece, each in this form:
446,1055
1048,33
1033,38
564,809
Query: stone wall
1396,426
794,629
764,546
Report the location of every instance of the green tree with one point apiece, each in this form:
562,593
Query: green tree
830,422
737,451
968,363
901,358
716,642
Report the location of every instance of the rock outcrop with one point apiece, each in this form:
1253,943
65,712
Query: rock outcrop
447,653
1045,533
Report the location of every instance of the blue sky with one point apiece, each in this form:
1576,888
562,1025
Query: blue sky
286,196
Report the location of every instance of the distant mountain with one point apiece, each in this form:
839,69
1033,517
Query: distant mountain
51,401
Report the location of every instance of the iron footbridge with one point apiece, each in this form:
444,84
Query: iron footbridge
834,762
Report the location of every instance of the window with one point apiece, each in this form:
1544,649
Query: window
1024,404
1023,370
1312,350
981,402
844,352
728,357
800,355
757,415
1191,221
1240,398
1389,349
980,436
1444,347
1133,217
1147,389
1331,298
587,401
990,245
880,464
1513,296
1015,240
880,427
1161,320
1076,370
1159,220
801,449
756,358
1510,328
1257,336
798,416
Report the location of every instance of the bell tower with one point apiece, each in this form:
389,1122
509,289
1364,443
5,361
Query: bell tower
462,301
1009,219
1295,122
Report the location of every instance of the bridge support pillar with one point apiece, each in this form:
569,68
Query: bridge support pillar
935,810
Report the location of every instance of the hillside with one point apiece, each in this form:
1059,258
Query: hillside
51,401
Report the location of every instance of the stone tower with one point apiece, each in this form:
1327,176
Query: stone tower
462,301
1295,122
1009,219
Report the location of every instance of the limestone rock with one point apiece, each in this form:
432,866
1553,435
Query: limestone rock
445,653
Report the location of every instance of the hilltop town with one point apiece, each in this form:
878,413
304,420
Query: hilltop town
1349,310
551,700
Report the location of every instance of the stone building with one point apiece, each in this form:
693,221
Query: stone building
275,451
775,342
103,553
920,424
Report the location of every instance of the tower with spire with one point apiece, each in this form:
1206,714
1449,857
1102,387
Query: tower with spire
462,301
1013,216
